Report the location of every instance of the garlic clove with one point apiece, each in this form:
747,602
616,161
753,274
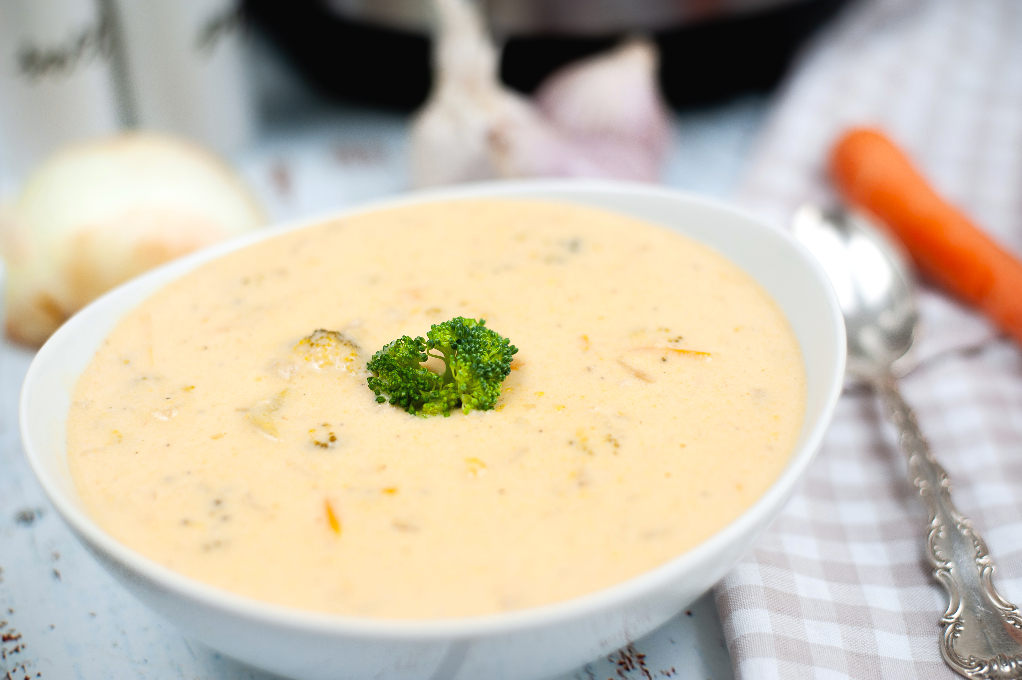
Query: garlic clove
599,117
614,94
540,150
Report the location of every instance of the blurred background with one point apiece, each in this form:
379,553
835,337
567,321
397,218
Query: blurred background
110,111
260,81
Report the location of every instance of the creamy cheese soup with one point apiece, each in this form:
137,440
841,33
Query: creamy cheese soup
658,391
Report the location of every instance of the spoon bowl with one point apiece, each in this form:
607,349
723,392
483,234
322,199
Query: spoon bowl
873,285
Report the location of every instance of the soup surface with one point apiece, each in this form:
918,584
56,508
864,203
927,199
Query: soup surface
657,392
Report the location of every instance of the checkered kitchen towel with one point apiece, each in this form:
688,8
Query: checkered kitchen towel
839,587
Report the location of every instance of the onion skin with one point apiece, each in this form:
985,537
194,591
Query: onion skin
96,214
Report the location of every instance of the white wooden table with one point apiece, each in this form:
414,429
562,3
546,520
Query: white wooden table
63,617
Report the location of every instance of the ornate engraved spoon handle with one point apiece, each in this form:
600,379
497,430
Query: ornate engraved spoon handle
982,632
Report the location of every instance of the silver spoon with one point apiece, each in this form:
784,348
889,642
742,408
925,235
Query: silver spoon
982,632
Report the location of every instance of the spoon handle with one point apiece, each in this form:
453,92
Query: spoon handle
982,632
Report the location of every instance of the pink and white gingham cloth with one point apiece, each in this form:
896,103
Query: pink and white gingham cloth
839,586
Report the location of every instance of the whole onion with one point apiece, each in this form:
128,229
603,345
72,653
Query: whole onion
99,213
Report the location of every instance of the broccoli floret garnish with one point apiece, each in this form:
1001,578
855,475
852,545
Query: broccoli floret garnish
397,371
476,361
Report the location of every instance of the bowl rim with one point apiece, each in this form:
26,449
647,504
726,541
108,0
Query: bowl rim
310,621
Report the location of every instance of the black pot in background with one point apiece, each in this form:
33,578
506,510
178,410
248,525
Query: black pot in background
701,64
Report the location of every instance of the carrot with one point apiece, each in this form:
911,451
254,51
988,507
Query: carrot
331,518
874,175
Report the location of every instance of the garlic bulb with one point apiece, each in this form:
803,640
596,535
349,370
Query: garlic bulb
450,138
600,117
99,213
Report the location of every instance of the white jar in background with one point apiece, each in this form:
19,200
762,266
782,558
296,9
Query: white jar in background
185,69
56,83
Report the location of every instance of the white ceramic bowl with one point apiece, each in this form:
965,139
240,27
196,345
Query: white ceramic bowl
521,645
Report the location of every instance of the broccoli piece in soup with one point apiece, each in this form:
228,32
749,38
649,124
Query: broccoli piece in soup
476,361
327,349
